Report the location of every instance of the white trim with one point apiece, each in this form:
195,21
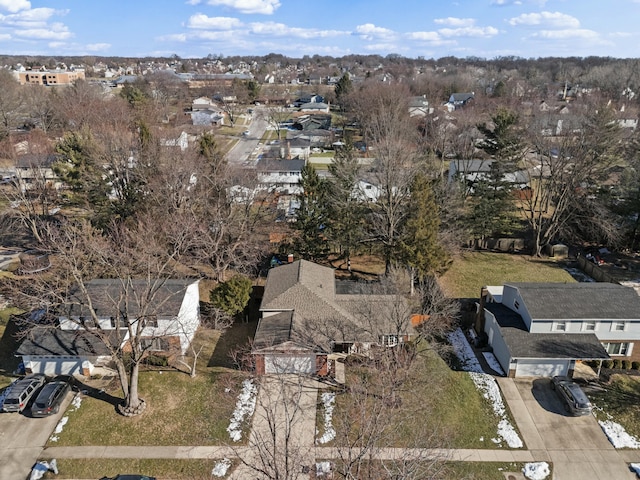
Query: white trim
614,324
586,323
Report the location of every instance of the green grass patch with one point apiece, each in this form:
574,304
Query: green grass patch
619,402
436,408
6,313
176,469
480,470
180,410
471,271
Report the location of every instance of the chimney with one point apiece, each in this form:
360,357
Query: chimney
290,258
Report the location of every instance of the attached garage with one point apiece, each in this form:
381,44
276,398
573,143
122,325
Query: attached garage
283,363
57,365
540,367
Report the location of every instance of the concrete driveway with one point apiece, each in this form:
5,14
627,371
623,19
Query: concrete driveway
577,446
22,438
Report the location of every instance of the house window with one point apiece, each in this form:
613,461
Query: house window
560,326
154,343
389,340
117,323
589,326
150,321
516,304
616,348
618,326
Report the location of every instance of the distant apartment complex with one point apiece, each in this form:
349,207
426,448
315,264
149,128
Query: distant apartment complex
49,77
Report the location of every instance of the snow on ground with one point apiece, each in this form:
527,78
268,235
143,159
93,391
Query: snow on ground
617,435
328,401
322,469
536,470
487,386
221,467
245,405
636,468
58,430
493,362
76,402
579,275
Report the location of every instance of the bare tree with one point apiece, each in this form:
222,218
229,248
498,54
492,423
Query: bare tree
11,102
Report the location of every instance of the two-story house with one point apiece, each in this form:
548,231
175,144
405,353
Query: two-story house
163,314
543,329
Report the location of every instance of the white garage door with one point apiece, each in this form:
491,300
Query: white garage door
305,364
55,366
541,368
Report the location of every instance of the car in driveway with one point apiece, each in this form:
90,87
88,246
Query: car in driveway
575,400
50,398
21,392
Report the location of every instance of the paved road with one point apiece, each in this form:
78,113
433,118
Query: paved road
22,439
577,446
247,144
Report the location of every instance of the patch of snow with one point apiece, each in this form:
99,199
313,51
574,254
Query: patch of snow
617,435
636,468
245,406
328,401
536,470
220,468
76,402
493,362
579,275
58,430
322,469
487,386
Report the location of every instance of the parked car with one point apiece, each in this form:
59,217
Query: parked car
50,398
575,400
21,392
129,477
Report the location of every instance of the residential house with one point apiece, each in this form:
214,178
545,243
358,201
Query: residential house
306,314
543,329
207,117
171,315
280,175
419,106
474,170
36,170
459,100
315,107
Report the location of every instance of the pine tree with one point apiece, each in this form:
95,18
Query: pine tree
420,248
310,242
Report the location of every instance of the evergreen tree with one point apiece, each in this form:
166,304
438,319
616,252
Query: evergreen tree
310,242
419,246
233,295
345,220
343,87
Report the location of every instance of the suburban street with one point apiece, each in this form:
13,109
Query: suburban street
247,144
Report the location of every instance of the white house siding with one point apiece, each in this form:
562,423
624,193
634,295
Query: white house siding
511,299
500,349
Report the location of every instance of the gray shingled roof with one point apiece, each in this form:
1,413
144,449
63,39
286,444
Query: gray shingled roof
524,344
579,300
280,165
62,342
312,313
164,297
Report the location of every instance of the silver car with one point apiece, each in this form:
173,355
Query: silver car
575,400
21,392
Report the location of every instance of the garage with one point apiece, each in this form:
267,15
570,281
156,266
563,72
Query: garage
301,364
541,367
53,365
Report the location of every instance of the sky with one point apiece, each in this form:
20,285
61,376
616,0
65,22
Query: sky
294,28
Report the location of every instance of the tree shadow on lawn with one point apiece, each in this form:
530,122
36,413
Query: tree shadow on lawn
238,336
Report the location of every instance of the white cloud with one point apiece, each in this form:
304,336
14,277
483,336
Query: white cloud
265,7
194,2
5,37
15,5
36,16
564,34
385,47
455,22
506,2
199,20
482,32
425,36
98,47
369,31
281,30
546,19
55,31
